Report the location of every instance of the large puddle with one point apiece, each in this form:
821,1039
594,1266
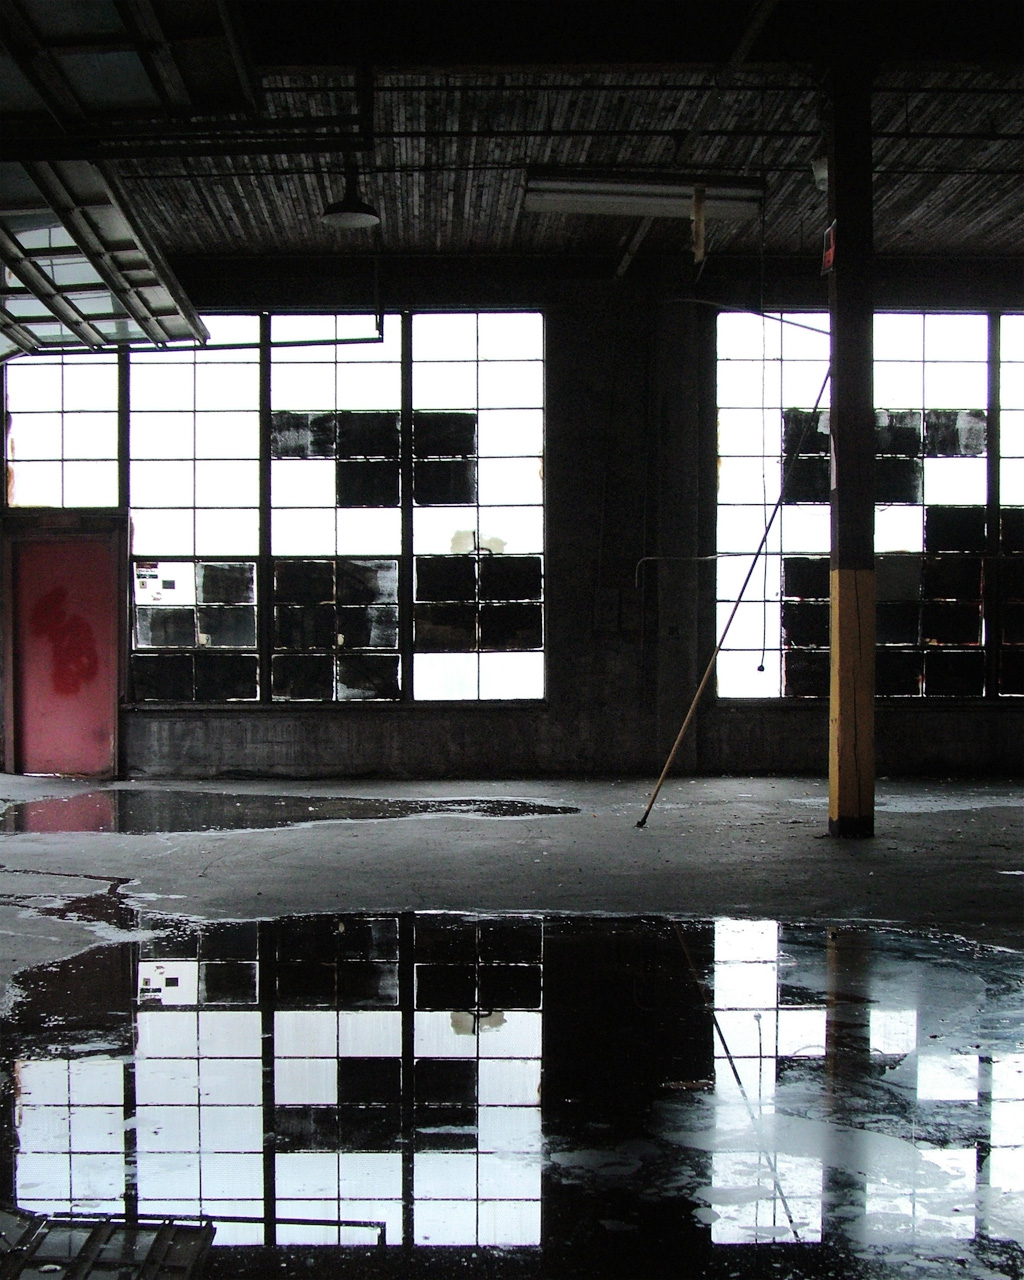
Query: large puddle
142,810
531,1096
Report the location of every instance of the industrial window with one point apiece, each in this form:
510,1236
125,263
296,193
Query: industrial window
948,533
370,530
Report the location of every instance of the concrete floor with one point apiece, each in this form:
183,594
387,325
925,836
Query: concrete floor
947,856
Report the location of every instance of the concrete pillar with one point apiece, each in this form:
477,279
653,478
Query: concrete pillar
852,683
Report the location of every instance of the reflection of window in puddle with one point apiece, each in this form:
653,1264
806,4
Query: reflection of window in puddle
926,1193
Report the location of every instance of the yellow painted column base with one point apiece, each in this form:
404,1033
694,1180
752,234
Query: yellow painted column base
851,728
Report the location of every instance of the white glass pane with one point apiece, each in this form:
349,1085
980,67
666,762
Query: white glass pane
231,1081
162,387
510,432
33,387
92,386
227,386
34,435
893,1031
1011,337
167,533
1011,482
167,1082
307,1175
444,337
898,337
306,1081
749,384
302,329
43,1179
1008,1076
515,1174
509,1222
227,533
306,1033
162,484
161,435
306,355
744,336
444,1035
370,1175
441,676
300,387
42,1129
232,328
801,1033
947,1077
1006,1168
802,383
805,336
369,386
366,326
1011,433
955,480
44,1083
746,986
749,481
231,1129
512,384
749,432
97,1178
747,1033
955,337
513,1082
302,532
90,484
444,1222
1011,386
806,530
742,528
97,1129
509,1129
756,623
369,1033
746,941
96,1082
738,676
511,335
304,1232
167,1129
229,1034
443,530
444,1175
510,675
369,531
899,529
765,581
224,1174
227,484
898,385
515,1034
504,481
515,530
302,482
36,484
227,435
444,386
955,386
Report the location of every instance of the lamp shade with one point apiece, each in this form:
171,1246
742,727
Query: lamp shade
350,213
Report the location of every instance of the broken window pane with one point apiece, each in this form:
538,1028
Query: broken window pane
806,577
441,627
807,673
443,435
509,578
369,531
302,482
303,676
162,677
227,626
369,676
899,673
1011,576
368,484
807,480
304,581
437,530
952,433
226,583
805,431
949,674
298,531
805,625
309,626
368,435
954,529
302,435
898,432
442,483
1013,622
164,628
367,581
897,480
897,622
951,578
445,578
511,675
443,676
513,530
226,677
950,622
510,626
897,577
368,626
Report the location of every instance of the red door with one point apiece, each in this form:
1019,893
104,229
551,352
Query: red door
65,656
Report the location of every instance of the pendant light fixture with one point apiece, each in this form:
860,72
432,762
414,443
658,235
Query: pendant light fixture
351,212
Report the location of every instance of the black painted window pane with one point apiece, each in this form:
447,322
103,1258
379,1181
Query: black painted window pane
223,677
158,627
954,433
225,583
314,938
805,625
898,673
228,626
303,581
306,1129
951,578
898,577
368,626
806,480
443,435
898,432
445,627
444,1082
162,677
1011,578
948,674
806,577
445,578
367,938
227,982
1013,623
898,480
511,626
369,1128
806,673
368,484
444,483
302,435
445,986
511,941
1011,671
445,940
367,581
897,622
954,529
950,622
510,986
368,676
367,984
1012,530
368,435
805,431
510,578
310,982
231,940
308,677
370,1082
304,626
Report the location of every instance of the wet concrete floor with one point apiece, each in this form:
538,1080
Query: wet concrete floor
530,1094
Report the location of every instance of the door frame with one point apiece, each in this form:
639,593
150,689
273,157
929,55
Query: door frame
37,525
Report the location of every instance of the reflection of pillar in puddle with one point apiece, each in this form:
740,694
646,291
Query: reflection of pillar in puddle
847,1060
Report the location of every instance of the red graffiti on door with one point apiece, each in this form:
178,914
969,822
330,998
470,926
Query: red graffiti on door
75,661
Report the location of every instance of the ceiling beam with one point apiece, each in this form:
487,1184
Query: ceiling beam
42,287
154,52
